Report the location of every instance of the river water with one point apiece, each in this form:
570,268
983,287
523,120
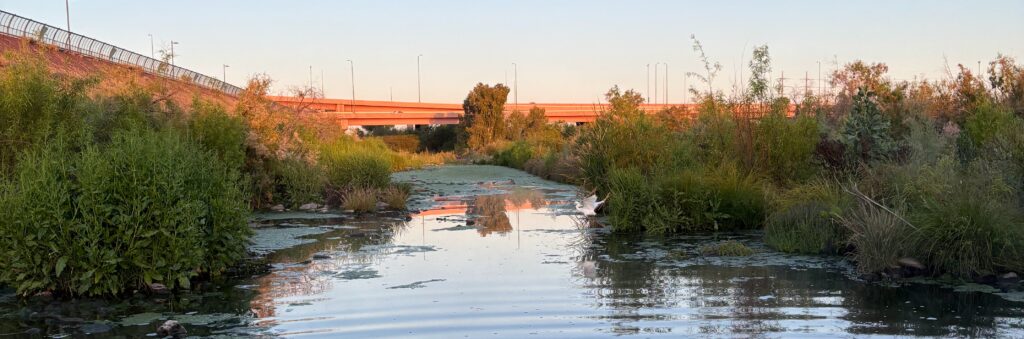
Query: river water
494,252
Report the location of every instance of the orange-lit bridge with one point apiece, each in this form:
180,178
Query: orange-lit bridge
382,113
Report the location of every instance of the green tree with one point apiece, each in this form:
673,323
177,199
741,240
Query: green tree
867,132
484,120
760,68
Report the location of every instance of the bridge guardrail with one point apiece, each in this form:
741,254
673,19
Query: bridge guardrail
18,26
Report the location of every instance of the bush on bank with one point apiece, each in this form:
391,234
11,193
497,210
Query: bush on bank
148,207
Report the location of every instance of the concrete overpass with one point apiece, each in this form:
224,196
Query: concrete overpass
383,113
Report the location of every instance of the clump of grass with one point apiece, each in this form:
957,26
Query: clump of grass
396,195
361,200
299,182
879,235
728,248
804,220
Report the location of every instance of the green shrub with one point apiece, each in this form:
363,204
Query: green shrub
715,198
728,248
785,147
299,182
515,155
150,207
867,134
220,133
804,220
350,163
35,106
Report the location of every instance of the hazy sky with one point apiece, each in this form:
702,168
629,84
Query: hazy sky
566,51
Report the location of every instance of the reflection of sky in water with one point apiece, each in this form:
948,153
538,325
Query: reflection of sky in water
511,261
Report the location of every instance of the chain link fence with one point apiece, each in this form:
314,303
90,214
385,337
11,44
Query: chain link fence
18,26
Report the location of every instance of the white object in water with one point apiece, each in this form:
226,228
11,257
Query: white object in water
589,205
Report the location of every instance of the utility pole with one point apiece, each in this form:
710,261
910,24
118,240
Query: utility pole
352,72
782,83
419,93
172,51
807,82
224,70
515,79
152,52
648,82
819,78
311,77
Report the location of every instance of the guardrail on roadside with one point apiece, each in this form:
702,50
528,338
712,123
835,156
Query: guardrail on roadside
18,26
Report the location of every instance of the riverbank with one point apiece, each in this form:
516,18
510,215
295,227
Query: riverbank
495,250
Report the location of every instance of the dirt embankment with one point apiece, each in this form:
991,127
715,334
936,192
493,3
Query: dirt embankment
112,78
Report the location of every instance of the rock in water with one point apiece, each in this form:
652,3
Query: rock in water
172,329
1009,278
910,263
309,207
277,208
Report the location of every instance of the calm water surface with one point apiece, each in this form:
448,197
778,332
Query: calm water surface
494,252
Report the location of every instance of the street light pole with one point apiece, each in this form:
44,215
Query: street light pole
67,13
172,51
656,64
648,82
819,78
352,73
666,83
225,73
419,90
152,51
515,80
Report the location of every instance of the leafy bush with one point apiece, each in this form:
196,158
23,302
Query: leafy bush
785,147
866,132
150,207
299,182
515,155
220,133
35,106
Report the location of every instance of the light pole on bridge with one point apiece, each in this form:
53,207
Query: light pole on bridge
352,73
648,82
172,51
152,52
419,91
515,80
225,73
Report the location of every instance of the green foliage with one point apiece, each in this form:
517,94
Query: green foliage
396,195
402,142
349,163
866,132
35,107
441,138
299,182
484,118
879,235
220,133
515,155
728,248
149,207
785,147
804,220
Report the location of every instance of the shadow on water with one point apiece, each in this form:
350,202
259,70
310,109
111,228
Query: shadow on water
491,251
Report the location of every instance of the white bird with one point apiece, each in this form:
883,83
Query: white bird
589,205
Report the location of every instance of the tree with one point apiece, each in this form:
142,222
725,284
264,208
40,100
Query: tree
484,120
866,133
624,104
760,68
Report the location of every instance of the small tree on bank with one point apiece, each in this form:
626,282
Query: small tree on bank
484,121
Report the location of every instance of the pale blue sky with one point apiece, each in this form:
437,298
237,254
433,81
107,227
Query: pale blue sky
567,51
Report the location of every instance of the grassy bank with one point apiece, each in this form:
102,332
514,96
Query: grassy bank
108,190
885,172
